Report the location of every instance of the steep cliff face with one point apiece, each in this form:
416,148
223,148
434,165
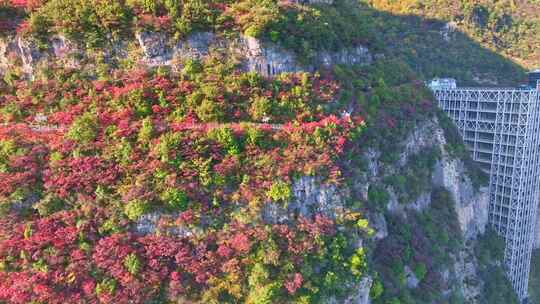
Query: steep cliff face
460,274
157,49
447,172
471,204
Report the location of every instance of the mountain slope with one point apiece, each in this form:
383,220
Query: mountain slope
508,27
236,152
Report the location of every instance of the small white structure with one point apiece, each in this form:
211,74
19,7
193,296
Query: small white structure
442,83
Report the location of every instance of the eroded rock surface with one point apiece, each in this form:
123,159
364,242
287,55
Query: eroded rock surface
150,223
309,197
158,48
360,294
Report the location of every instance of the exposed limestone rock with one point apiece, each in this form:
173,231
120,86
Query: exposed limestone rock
150,223
421,138
157,48
485,80
471,206
154,47
61,46
266,59
362,294
422,202
359,296
378,223
273,213
411,281
8,54
357,55
372,157
29,54
466,274
309,197
361,187
117,49
448,29
197,45
153,44
393,205
24,53
449,173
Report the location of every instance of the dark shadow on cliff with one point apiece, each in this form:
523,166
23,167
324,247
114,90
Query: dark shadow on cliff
432,49
534,281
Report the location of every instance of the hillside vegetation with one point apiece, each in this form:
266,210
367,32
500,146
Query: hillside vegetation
486,43
508,27
89,156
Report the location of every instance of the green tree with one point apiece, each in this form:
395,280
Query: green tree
84,129
279,191
132,263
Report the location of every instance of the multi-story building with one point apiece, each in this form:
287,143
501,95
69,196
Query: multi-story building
501,129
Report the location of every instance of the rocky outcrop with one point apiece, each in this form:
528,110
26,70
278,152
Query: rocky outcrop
157,48
485,80
309,197
8,54
447,31
379,225
422,202
197,45
161,222
23,53
471,204
351,56
266,59
411,281
465,272
360,294
269,59
154,47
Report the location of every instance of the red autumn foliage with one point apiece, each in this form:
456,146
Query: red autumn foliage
293,284
82,174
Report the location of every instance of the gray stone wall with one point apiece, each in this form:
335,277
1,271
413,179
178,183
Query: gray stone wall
158,49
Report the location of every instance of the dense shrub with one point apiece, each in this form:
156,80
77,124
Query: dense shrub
240,263
415,179
106,152
424,242
489,251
